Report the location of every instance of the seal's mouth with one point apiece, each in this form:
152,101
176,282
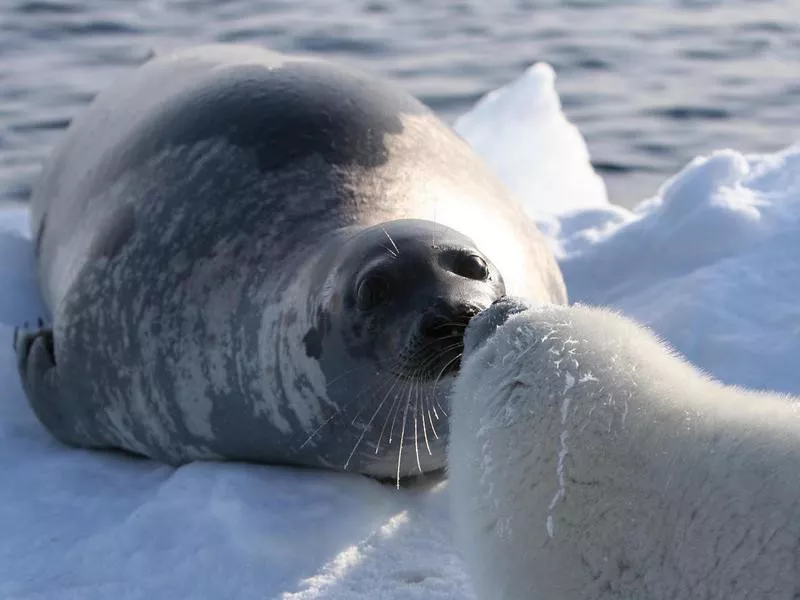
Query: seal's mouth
435,351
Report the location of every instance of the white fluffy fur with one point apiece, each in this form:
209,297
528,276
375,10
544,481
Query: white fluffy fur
587,461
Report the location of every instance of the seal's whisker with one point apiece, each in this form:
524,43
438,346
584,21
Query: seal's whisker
430,419
402,362
382,383
428,397
392,409
402,439
385,423
412,392
394,420
340,411
343,374
424,428
313,434
427,408
416,431
455,358
451,324
366,427
425,346
426,357
396,252
431,360
444,368
393,385
445,338
406,394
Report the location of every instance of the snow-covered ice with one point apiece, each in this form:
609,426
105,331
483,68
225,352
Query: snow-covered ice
710,262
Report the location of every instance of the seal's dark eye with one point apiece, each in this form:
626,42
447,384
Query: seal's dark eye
471,266
371,292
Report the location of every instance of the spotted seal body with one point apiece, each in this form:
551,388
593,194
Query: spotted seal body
261,257
588,461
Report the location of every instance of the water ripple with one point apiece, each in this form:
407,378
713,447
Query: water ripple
650,84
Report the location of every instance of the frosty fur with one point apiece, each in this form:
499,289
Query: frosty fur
588,460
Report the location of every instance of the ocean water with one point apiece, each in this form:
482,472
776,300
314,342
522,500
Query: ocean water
650,84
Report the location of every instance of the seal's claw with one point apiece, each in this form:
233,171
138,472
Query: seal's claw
36,365
22,342
35,355
40,357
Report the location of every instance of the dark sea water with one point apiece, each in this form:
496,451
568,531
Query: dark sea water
650,84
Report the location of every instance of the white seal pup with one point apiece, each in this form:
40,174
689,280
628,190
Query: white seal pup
588,461
238,252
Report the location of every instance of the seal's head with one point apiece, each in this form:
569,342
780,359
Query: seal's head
390,337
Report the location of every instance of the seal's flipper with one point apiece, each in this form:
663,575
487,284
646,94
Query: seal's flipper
35,357
37,369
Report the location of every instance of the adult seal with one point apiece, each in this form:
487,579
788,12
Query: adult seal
588,461
267,258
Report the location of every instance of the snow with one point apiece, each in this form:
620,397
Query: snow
709,262
523,135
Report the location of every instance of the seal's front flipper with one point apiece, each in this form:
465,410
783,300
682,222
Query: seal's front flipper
35,356
37,370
